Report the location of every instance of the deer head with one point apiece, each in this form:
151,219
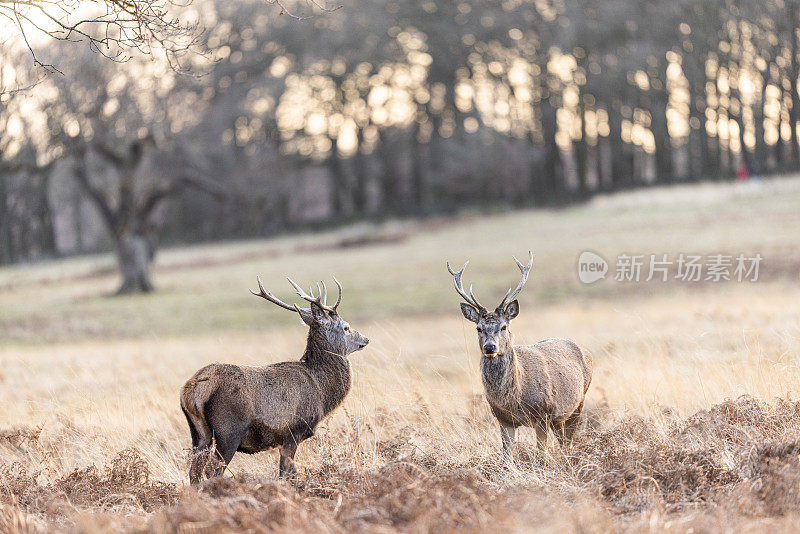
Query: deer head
493,335
329,331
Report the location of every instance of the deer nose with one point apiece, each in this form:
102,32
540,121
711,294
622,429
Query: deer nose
489,349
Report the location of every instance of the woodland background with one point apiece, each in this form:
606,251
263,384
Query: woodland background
384,109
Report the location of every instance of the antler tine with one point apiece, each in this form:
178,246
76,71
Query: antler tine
469,298
272,298
305,296
525,270
338,300
472,295
320,296
300,292
324,293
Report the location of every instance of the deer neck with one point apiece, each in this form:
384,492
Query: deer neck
502,376
330,370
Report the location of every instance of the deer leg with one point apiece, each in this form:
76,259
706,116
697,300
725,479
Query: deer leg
192,430
222,457
226,447
541,434
200,464
201,441
508,433
286,468
559,431
572,423
297,434
194,468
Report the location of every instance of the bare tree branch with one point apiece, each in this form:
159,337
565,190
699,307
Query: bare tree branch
115,29
118,29
99,198
285,10
176,187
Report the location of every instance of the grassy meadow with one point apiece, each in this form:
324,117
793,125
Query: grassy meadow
692,419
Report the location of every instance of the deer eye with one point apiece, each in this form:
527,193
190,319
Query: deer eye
503,328
347,328
480,330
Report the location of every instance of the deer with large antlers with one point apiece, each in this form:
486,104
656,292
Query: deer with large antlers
541,386
251,409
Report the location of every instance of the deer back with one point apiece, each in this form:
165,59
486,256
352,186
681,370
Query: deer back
556,375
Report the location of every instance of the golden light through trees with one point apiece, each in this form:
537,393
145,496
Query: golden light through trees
397,107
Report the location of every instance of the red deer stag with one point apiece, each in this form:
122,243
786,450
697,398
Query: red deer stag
251,409
541,386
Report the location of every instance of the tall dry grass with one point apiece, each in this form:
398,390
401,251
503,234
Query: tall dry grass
692,421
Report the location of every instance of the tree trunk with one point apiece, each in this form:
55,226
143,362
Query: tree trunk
705,167
361,193
715,155
760,156
390,186
581,151
794,113
132,234
621,152
779,154
553,179
700,164
338,183
599,164
134,253
744,151
662,140
537,190
727,164
45,215
6,250
421,189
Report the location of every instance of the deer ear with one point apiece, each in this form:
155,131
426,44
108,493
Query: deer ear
318,313
470,312
512,309
306,316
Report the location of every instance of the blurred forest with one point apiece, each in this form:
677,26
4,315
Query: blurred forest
387,108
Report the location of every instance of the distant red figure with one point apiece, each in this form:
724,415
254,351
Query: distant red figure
741,173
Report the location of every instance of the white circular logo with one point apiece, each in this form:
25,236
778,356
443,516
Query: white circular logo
591,267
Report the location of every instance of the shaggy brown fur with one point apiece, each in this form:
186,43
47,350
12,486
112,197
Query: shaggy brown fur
542,386
251,409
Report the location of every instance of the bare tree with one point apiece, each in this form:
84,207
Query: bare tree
129,207
126,157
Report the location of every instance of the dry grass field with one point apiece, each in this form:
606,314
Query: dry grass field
692,419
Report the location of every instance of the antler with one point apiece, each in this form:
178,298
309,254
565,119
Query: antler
270,297
338,300
511,294
320,300
470,299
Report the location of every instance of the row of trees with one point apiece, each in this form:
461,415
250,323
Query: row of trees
392,108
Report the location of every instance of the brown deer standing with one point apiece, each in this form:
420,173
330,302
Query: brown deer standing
541,386
251,409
